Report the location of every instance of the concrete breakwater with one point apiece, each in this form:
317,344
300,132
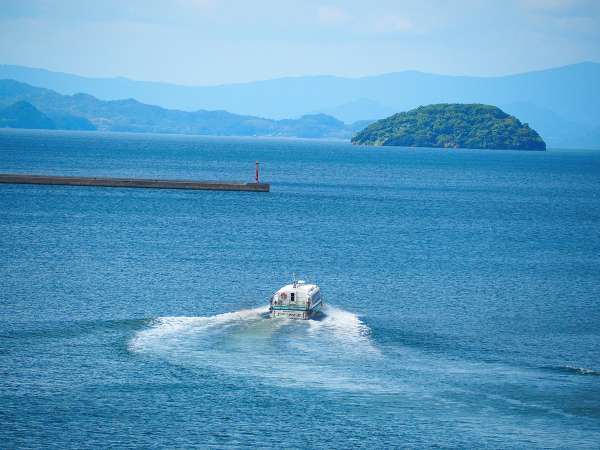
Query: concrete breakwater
7,178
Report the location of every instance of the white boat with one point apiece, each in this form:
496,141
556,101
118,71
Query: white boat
299,300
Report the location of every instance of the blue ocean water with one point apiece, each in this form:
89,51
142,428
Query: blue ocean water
462,292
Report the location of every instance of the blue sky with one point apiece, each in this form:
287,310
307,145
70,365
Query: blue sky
223,41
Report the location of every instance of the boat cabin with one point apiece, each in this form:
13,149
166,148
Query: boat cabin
297,300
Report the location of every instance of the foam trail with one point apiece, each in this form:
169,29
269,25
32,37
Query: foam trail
165,327
289,353
346,328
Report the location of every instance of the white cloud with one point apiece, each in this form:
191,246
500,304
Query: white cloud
548,5
332,15
199,4
372,23
578,24
393,24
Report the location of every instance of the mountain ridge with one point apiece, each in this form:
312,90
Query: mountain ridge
79,110
346,89
564,102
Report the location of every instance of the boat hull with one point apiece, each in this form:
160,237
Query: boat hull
295,313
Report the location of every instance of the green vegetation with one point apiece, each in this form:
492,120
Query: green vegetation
452,126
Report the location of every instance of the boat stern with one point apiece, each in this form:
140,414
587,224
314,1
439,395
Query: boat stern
298,300
290,314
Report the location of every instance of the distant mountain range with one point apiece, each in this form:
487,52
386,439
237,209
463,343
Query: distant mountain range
26,106
562,104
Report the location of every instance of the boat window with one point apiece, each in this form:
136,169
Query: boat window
292,297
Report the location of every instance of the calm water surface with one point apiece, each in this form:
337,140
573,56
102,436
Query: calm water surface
463,296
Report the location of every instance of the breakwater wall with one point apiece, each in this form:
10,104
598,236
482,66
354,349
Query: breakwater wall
8,178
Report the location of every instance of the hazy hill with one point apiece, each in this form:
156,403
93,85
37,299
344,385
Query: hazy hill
570,91
24,115
360,110
556,130
83,111
568,97
452,126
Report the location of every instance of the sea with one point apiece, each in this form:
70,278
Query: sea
462,292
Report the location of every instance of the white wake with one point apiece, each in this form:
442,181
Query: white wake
332,352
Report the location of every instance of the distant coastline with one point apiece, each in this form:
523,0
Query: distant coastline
562,104
503,131
26,106
30,107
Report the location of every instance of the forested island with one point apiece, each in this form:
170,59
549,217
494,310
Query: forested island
452,125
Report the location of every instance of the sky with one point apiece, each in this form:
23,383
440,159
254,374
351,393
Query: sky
207,42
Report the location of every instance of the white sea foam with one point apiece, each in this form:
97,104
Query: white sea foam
345,326
313,353
164,328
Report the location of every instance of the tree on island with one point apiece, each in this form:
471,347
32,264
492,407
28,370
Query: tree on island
452,126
